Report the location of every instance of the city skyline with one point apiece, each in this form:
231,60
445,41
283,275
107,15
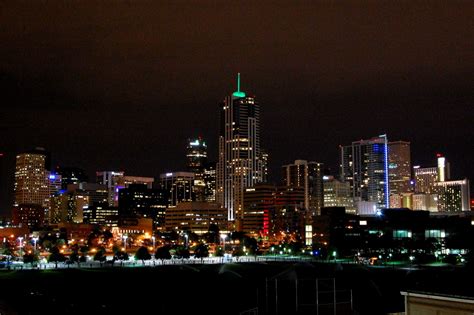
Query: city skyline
103,93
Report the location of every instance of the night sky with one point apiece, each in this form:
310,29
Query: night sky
122,86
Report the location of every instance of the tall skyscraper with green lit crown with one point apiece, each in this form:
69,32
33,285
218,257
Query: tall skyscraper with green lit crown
241,163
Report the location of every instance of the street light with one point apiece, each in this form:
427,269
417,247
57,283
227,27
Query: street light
21,243
153,239
125,242
186,243
35,239
223,242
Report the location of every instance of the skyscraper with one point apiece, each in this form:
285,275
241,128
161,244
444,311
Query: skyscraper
306,175
338,194
32,178
364,164
210,182
240,161
453,196
425,178
112,180
399,167
196,153
139,200
71,175
178,187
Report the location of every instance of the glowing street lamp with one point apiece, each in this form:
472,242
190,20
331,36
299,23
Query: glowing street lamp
223,242
153,239
125,241
35,239
21,243
186,236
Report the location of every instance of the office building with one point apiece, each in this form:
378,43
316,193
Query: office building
67,206
113,180
263,162
71,175
28,215
196,217
453,196
196,154
210,182
31,178
290,216
275,213
178,187
364,164
338,194
58,208
126,181
399,167
427,202
240,161
102,215
404,200
139,201
425,178
306,175
259,207
96,193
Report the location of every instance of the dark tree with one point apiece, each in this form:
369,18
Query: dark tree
100,255
219,252
142,254
30,258
56,256
163,253
251,245
201,251
121,255
182,252
213,235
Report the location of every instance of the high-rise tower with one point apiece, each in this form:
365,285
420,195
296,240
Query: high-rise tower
399,167
196,153
307,175
31,177
240,163
364,164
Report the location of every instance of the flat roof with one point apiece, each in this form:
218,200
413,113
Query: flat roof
439,296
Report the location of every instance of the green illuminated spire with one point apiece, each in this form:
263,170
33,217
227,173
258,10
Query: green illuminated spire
238,93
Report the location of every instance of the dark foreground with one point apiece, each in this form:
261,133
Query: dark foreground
269,288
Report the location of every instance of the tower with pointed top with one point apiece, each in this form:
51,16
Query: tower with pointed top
240,163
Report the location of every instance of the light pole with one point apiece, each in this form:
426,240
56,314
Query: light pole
153,239
125,242
21,244
35,239
186,243
223,242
